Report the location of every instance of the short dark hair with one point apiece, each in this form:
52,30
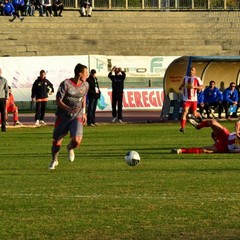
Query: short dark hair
79,69
42,71
211,82
93,71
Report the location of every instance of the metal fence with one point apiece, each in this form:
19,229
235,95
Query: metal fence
159,4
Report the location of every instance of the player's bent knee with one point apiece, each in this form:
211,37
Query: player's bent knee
57,142
76,142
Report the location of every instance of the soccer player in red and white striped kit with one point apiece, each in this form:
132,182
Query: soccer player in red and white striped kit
190,86
224,140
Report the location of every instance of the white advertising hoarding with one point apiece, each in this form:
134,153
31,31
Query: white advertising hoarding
21,72
134,66
134,99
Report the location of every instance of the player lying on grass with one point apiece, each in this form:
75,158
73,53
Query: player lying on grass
224,140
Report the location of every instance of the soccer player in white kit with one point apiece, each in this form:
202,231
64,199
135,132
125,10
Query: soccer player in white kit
190,86
70,113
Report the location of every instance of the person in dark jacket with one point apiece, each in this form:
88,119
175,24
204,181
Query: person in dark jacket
41,88
58,6
93,96
117,76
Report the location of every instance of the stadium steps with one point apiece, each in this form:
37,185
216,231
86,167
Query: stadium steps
123,33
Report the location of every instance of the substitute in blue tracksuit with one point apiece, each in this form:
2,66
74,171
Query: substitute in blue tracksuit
200,102
213,97
230,98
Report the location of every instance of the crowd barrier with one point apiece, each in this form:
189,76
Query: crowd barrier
167,5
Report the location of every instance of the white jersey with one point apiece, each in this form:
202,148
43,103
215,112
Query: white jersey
190,94
233,142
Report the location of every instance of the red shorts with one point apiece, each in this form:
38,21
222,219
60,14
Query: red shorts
191,105
221,141
12,109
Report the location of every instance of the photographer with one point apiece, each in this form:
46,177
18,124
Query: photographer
117,76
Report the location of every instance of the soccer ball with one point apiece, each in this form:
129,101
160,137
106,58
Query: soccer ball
132,158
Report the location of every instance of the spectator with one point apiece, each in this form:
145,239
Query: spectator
86,8
213,97
93,96
12,108
1,8
40,90
30,8
39,6
117,77
19,6
230,98
58,6
3,99
190,85
9,10
47,8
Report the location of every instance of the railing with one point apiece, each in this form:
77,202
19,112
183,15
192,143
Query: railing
170,5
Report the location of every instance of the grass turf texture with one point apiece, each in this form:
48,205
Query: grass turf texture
99,196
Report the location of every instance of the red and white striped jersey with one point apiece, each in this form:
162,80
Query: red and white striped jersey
233,142
190,94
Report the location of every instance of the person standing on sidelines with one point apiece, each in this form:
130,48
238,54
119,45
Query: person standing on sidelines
41,88
190,86
70,113
3,99
93,96
117,77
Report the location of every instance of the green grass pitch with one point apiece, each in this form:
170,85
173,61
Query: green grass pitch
99,196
